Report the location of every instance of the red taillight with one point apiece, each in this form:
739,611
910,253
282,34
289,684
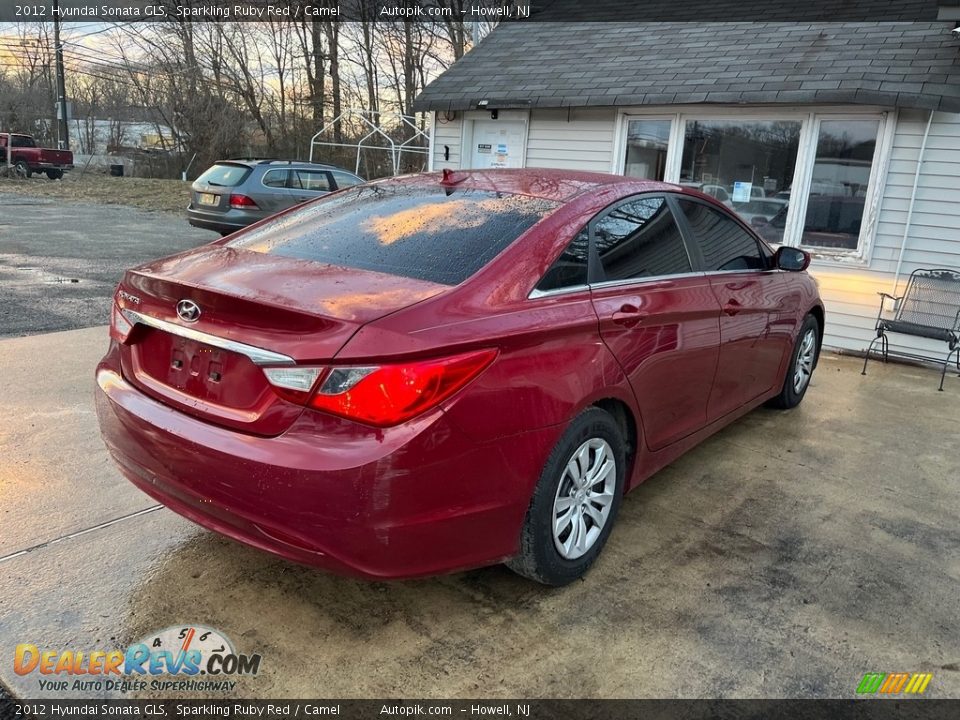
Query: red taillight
382,395
242,202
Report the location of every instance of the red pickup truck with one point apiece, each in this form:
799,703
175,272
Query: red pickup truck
27,158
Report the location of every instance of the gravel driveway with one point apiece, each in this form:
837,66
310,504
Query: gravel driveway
60,261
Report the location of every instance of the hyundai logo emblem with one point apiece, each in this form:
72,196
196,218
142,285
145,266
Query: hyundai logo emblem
188,311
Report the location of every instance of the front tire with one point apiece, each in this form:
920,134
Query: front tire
803,361
23,170
575,502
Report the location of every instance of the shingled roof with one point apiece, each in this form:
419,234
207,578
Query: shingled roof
559,64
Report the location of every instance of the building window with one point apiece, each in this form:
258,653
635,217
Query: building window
742,163
647,142
801,178
839,183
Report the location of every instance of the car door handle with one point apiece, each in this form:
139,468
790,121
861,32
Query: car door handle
732,307
628,315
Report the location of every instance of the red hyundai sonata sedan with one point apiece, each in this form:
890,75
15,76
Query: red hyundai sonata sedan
440,372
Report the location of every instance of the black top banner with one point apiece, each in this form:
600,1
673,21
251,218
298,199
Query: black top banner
887,709
698,11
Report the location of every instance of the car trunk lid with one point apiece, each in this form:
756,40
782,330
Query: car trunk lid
253,311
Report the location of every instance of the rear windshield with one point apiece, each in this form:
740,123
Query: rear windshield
426,232
224,175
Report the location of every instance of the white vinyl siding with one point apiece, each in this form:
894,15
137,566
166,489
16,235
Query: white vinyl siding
934,235
578,139
447,133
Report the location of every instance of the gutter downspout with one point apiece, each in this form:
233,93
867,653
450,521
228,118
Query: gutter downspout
913,197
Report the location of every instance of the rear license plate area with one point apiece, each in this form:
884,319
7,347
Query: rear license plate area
208,198
197,370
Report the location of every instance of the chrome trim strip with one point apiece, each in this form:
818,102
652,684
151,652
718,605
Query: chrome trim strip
646,280
259,356
534,294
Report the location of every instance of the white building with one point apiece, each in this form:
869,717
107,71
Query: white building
841,138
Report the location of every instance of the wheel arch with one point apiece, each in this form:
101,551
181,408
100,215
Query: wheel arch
629,427
818,312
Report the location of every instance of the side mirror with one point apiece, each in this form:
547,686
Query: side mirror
791,259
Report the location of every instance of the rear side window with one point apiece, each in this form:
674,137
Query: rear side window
225,175
345,180
426,232
276,178
724,243
311,180
640,239
570,269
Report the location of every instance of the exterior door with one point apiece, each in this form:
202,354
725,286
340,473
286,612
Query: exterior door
751,295
274,196
497,144
659,318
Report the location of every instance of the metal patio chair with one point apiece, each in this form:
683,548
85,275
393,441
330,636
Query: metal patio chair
929,308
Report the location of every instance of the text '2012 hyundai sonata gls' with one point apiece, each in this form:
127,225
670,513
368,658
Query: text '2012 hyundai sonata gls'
439,372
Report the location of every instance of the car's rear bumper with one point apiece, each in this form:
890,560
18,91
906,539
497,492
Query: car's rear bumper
224,222
418,499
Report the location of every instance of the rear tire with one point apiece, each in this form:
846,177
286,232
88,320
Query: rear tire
55,174
575,503
803,361
23,170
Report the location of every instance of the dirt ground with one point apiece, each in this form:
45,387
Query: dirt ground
143,193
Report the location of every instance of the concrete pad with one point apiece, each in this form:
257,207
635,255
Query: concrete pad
784,557
55,475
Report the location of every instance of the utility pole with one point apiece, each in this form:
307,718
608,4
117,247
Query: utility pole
63,128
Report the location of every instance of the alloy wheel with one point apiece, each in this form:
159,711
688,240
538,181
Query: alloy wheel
584,498
806,355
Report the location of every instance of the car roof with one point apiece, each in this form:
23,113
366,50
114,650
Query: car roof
273,162
548,184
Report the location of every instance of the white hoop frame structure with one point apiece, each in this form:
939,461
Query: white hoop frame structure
373,120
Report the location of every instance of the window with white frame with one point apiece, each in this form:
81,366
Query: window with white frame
798,177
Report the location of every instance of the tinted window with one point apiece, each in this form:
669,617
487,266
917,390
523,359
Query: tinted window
276,178
225,175
570,269
640,239
345,180
724,243
418,231
311,180
22,141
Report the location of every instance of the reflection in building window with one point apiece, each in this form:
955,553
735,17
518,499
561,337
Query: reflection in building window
742,162
838,185
647,142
